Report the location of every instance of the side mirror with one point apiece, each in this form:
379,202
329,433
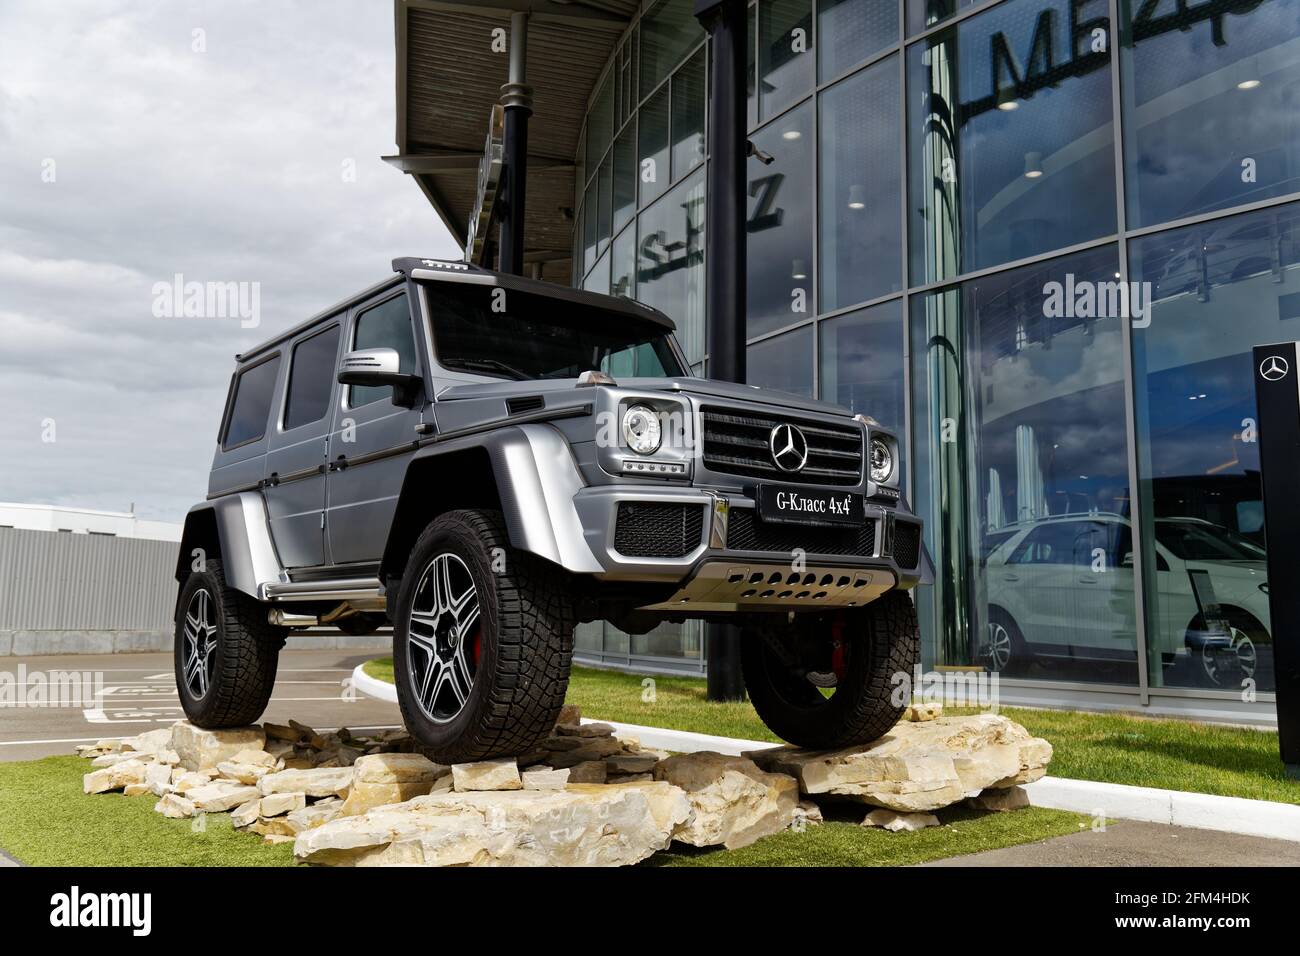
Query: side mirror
380,367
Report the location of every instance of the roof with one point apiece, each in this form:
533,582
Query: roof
448,81
448,270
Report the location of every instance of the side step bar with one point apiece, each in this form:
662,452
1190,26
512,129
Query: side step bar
362,593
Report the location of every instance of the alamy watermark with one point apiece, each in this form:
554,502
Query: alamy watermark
955,688
1085,299
81,690
179,299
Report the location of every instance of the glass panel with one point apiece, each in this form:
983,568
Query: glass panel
670,260
668,33
780,226
605,184
311,378
1010,137
589,637
784,363
751,53
600,124
1210,106
785,54
622,279
670,640
926,13
653,170
849,31
624,178
590,227
1214,291
1019,405
688,116
385,326
598,279
861,188
862,363
253,393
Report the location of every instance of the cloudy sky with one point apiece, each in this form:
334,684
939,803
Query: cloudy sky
222,140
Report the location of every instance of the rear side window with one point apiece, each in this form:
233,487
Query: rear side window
386,326
311,378
252,404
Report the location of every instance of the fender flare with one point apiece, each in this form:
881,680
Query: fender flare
536,479
243,541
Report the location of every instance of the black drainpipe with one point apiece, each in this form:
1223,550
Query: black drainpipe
726,22
517,98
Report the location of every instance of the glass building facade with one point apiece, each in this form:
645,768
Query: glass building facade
1039,238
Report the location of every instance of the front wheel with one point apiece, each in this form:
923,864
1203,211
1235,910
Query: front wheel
226,652
482,641
827,682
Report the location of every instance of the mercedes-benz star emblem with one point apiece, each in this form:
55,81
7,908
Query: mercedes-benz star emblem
789,447
1273,368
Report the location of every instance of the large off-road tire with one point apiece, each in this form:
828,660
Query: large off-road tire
482,641
226,652
862,648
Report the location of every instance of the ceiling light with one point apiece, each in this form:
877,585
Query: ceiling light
1033,165
799,269
791,135
857,197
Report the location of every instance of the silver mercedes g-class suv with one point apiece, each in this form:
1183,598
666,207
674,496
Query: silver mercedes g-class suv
485,461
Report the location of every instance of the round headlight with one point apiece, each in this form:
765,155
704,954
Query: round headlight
641,429
882,461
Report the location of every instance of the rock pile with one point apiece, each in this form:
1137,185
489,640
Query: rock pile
583,797
919,766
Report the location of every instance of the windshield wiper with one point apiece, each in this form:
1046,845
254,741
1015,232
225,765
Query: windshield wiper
493,364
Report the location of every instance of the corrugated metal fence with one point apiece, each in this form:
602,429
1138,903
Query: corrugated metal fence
83,582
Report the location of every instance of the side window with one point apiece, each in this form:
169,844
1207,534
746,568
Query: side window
386,326
311,378
252,405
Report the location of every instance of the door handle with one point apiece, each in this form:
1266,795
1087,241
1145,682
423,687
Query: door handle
339,463
1010,577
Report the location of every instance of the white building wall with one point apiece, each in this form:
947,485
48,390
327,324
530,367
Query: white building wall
121,524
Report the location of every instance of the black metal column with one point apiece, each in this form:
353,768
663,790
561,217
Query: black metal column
1277,400
726,21
517,98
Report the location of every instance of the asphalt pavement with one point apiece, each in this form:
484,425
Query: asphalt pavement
139,694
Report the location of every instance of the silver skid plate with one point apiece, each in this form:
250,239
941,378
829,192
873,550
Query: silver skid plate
739,586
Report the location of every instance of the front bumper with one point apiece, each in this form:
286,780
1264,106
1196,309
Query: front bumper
723,558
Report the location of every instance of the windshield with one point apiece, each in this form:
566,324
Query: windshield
541,337
1193,541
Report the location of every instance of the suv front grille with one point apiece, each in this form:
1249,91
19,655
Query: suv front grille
651,529
745,532
907,544
736,443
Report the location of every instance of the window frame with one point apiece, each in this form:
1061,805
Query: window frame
282,423
227,419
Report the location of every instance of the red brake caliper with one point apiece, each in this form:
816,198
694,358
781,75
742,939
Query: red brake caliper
837,648
478,646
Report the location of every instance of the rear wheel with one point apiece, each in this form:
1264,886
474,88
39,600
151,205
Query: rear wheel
827,682
226,652
1005,649
482,641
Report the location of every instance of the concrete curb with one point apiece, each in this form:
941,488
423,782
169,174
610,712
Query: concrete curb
1202,811
372,686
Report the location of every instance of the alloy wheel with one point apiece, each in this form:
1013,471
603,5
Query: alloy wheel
999,651
444,638
198,654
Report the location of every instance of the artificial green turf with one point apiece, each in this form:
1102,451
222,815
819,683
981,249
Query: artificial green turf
1114,748
844,842
46,820
381,668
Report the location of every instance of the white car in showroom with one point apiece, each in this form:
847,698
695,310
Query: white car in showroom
1062,588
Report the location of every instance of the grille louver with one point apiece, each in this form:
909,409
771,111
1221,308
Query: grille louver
736,443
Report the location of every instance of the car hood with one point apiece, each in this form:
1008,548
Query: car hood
701,387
